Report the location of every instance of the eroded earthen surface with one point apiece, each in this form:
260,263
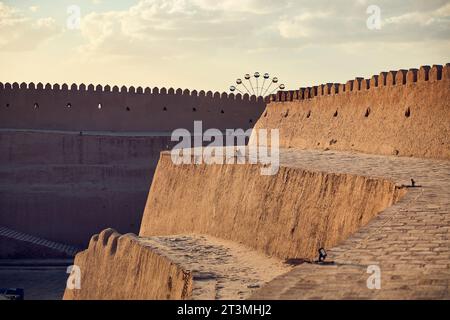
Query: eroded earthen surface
406,120
409,241
289,215
221,269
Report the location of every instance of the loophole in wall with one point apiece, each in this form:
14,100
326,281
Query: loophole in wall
408,113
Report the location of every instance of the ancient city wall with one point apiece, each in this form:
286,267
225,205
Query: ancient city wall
86,168
289,215
16,249
115,266
404,112
70,148
80,184
30,106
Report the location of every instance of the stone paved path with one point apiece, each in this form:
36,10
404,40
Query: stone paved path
410,241
221,269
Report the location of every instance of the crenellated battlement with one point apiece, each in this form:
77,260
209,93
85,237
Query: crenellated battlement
400,112
105,108
384,79
82,88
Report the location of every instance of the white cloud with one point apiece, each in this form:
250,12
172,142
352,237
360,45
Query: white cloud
300,26
203,43
19,32
339,22
248,6
438,16
164,26
170,26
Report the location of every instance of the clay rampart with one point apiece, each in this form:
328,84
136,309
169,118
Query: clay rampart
288,215
402,113
81,108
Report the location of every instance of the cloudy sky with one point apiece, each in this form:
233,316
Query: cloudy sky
206,44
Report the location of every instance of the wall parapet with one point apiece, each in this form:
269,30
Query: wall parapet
123,257
397,113
104,108
90,88
384,79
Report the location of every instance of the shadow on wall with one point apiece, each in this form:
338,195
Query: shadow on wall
63,183
102,109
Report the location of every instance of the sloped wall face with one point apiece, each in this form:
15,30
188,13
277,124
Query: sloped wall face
289,215
103,109
117,267
405,114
